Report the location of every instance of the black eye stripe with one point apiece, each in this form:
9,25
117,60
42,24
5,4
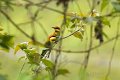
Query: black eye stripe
57,28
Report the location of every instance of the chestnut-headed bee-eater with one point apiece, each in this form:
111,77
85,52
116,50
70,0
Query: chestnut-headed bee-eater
51,41
53,38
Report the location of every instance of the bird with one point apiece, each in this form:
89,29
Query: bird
53,38
51,41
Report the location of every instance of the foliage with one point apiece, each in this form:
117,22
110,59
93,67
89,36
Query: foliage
6,41
3,77
75,23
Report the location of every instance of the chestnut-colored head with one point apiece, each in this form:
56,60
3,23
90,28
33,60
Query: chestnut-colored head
56,28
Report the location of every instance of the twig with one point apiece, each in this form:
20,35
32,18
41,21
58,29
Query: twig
21,69
15,25
6,15
39,5
42,27
88,1
113,52
85,63
77,3
27,22
54,71
70,34
93,48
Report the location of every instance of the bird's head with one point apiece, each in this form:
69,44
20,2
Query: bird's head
56,28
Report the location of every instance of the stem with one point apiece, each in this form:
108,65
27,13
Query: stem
113,51
90,46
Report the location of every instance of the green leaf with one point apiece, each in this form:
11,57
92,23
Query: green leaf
105,21
48,63
67,22
34,58
116,6
6,41
23,45
104,4
30,51
62,71
78,34
73,26
16,49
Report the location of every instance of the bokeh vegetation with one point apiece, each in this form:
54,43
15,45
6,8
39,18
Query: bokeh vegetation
85,48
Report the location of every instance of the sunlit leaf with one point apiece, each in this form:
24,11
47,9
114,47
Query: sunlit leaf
104,4
62,71
30,51
34,58
24,45
105,21
48,63
78,34
16,49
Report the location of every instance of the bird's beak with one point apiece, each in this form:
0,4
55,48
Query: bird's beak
53,27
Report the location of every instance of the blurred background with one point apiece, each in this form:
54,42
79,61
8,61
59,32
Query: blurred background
100,58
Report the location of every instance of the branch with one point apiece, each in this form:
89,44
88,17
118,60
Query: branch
15,25
39,5
93,48
90,46
8,18
70,34
113,52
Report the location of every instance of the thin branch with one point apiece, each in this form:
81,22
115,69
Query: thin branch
27,22
51,9
69,51
42,27
77,3
97,46
32,17
111,14
6,15
39,5
70,34
88,1
21,69
90,46
113,52
15,25
54,71
93,48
